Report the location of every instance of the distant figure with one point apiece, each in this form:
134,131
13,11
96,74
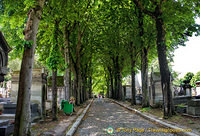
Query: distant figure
99,97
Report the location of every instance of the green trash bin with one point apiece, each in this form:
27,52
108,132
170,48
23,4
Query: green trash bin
66,107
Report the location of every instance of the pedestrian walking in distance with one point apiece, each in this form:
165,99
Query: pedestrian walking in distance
99,97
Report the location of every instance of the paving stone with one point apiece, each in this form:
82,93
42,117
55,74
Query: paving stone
104,114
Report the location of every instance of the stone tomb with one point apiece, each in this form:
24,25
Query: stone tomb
194,107
155,90
198,88
6,128
38,88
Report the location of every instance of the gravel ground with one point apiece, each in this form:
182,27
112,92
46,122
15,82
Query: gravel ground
104,114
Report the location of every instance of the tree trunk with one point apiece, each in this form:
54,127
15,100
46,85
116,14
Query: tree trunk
78,66
90,86
163,63
67,77
116,85
144,77
117,77
144,63
23,117
111,83
43,111
133,100
108,89
75,84
54,95
120,85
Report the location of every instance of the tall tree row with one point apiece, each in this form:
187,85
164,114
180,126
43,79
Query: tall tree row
101,42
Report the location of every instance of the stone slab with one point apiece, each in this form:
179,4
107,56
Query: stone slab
4,122
7,116
194,110
194,103
6,130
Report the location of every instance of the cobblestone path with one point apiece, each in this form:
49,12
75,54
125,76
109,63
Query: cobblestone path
104,114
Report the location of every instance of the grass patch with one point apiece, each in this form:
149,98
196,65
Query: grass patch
191,122
145,109
181,105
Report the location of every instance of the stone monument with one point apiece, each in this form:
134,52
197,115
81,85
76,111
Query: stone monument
187,88
198,88
155,90
38,88
4,50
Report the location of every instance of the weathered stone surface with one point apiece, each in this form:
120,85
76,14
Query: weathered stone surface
4,122
181,109
194,103
9,108
38,83
194,110
181,99
6,130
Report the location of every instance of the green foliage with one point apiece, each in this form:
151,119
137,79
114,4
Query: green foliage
55,59
179,82
188,76
181,105
195,78
59,79
108,27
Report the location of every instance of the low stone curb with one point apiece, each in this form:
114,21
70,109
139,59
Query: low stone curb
164,124
78,121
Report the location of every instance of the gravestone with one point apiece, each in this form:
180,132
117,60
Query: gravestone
198,88
38,88
155,90
60,91
6,128
187,88
9,108
127,88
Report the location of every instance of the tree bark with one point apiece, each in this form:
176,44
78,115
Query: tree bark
75,85
144,63
23,112
120,85
67,77
54,95
163,63
43,111
133,100
90,86
111,83
78,66
144,76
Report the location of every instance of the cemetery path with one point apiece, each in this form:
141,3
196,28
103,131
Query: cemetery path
104,114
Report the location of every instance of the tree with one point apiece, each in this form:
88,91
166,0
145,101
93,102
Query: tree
158,10
54,60
22,117
188,76
194,79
